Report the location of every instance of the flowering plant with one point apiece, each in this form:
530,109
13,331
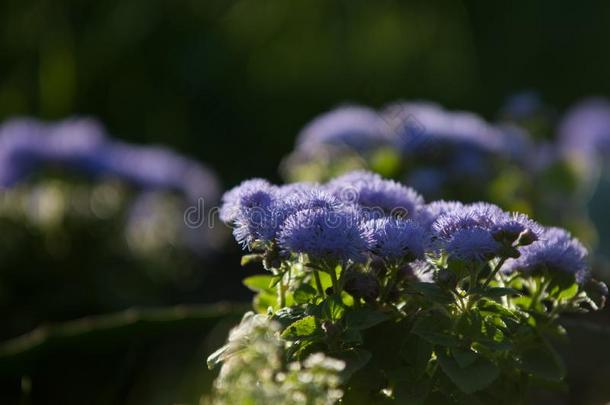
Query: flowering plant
455,155
418,303
84,209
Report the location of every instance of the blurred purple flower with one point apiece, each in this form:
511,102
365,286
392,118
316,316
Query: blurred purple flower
421,127
354,127
81,144
522,105
586,128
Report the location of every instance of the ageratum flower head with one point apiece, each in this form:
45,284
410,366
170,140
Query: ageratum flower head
326,234
354,127
478,215
231,200
397,239
517,227
297,199
482,231
556,252
472,245
377,195
429,213
260,216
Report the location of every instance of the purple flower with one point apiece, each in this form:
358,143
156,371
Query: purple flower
586,128
27,144
397,239
556,252
428,180
354,127
154,167
478,215
424,127
376,195
259,218
307,198
510,227
472,245
74,142
231,200
326,235
429,213
480,231
523,105
81,144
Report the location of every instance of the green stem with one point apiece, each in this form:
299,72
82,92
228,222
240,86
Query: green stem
391,281
281,290
335,281
540,288
316,277
495,271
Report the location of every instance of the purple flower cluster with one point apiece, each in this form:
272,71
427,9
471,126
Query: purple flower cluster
354,127
81,145
316,219
480,231
556,252
437,147
324,221
421,126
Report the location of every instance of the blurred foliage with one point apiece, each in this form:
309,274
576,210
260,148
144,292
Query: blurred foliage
207,76
141,356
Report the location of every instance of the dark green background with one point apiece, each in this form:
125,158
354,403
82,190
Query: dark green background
231,82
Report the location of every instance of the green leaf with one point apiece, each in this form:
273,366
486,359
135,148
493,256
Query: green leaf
488,307
496,292
436,329
364,318
354,360
543,363
258,282
287,316
253,258
332,308
480,374
416,352
464,358
304,293
569,292
353,336
302,329
432,292
265,300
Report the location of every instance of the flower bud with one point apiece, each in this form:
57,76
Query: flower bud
362,285
527,237
445,278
